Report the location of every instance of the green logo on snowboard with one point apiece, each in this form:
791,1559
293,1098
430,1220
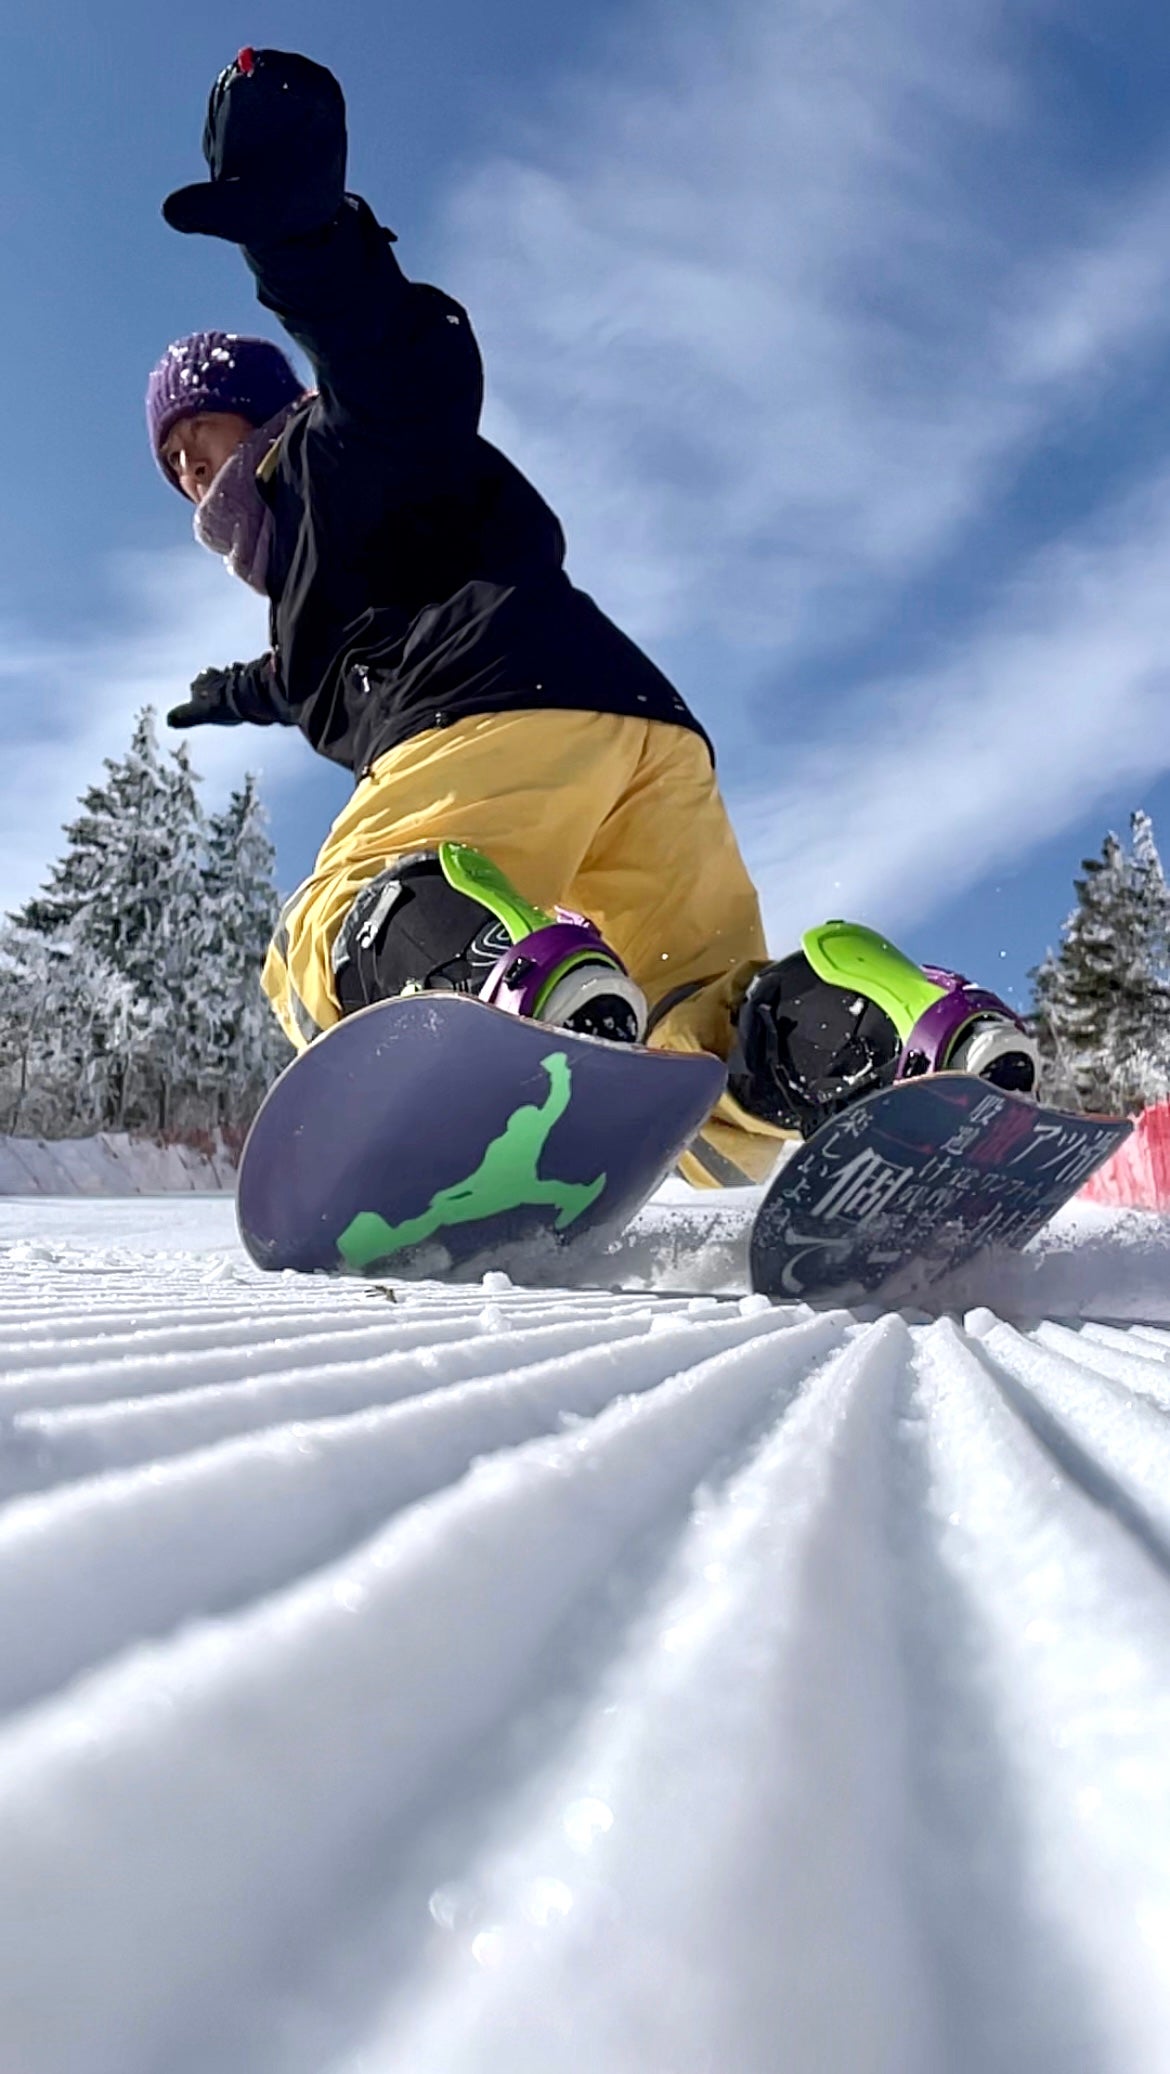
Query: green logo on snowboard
505,1179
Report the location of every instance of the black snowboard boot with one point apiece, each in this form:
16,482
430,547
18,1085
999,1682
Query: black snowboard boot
448,920
849,1014
805,1049
410,930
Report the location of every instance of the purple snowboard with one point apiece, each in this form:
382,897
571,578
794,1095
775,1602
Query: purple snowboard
912,1181
434,1136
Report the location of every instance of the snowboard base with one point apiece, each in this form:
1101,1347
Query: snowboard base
914,1180
432,1136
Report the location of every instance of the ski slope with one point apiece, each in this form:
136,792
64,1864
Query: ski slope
488,1681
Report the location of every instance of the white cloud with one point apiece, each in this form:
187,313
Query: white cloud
72,701
1065,696
751,316
775,307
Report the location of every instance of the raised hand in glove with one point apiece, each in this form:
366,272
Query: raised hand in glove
229,697
275,146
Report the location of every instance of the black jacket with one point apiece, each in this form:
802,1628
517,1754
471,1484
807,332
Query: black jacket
416,576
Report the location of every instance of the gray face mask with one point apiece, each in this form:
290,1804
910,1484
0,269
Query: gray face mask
233,520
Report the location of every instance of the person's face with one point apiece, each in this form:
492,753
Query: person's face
196,448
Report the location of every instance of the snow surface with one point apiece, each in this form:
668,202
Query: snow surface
486,1681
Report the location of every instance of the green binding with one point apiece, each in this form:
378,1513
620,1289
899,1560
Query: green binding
470,872
846,954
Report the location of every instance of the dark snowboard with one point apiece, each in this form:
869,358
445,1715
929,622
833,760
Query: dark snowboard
432,1135
912,1181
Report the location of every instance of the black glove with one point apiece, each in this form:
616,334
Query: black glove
222,698
274,141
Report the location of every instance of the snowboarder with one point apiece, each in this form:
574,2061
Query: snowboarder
425,635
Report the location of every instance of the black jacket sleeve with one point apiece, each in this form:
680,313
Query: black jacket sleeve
395,360
252,692
229,697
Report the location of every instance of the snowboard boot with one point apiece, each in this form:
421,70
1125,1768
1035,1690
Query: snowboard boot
848,1014
446,919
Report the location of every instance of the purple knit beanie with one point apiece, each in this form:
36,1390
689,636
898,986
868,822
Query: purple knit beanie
217,371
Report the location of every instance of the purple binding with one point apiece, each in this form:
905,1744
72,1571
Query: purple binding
936,1030
518,979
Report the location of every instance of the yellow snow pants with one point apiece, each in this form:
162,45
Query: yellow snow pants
618,818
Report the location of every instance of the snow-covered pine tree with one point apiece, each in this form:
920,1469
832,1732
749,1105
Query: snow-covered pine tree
129,986
1102,1001
104,872
1047,1023
245,1045
25,1006
177,936
1080,990
1151,1039
67,1023
125,901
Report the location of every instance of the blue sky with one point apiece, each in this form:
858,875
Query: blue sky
839,335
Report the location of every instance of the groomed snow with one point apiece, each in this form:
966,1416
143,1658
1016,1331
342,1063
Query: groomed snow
485,1681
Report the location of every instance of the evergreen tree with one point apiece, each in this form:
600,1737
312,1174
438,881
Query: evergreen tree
107,881
245,1047
125,897
1150,1036
25,1009
67,1023
1046,1021
175,944
129,986
1102,1001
